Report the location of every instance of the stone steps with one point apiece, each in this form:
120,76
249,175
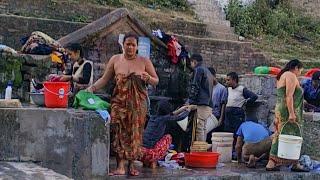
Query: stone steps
13,28
58,10
210,13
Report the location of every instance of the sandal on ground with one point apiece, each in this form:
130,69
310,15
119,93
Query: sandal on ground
299,169
133,172
275,168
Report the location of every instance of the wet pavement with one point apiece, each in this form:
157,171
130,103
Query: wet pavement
231,171
27,171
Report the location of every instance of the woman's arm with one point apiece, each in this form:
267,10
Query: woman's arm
108,73
150,76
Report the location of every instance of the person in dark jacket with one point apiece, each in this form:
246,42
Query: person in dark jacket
200,94
155,142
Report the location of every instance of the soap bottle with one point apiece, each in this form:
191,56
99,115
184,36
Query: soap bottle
8,93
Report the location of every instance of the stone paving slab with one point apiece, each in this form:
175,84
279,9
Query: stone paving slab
231,171
27,171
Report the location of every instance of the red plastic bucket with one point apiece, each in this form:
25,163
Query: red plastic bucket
56,94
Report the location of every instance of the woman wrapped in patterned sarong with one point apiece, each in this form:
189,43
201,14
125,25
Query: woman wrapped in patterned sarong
128,102
288,113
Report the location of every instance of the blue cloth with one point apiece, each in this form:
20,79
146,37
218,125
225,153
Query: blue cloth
156,128
252,132
104,115
219,97
311,95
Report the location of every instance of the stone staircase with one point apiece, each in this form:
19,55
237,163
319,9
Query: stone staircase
210,13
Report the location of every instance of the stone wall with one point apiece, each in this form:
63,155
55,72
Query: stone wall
13,28
82,11
308,7
226,56
265,87
71,142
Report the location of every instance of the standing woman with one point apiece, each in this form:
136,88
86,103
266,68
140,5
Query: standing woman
128,102
288,112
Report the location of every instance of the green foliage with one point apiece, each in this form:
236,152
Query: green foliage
80,18
280,30
260,18
10,69
170,4
116,3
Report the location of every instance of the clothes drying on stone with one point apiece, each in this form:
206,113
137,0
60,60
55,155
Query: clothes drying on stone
39,43
176,51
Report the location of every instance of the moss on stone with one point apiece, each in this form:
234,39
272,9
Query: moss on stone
10,69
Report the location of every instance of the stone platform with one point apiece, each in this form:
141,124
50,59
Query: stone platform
72,142
26,171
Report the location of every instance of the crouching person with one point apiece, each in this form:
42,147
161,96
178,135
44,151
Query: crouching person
253,142
155,142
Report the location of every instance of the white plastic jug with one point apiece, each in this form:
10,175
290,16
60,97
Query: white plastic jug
222,143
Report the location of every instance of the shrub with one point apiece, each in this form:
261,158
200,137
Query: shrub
263,17
170,4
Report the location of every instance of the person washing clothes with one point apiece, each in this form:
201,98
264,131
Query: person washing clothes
155,142
81,74
200,94
311,90
253,142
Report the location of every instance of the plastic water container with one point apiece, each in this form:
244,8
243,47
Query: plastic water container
289,146
56,94
222,143
8,93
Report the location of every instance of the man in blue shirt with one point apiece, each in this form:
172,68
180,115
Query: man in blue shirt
311,88
219,100
253,142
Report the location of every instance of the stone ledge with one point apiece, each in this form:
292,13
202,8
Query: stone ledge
71,142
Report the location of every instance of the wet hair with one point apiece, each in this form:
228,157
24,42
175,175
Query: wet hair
316,75
130,35
75,47
290,66
196,57
234,76
164,107
212,70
